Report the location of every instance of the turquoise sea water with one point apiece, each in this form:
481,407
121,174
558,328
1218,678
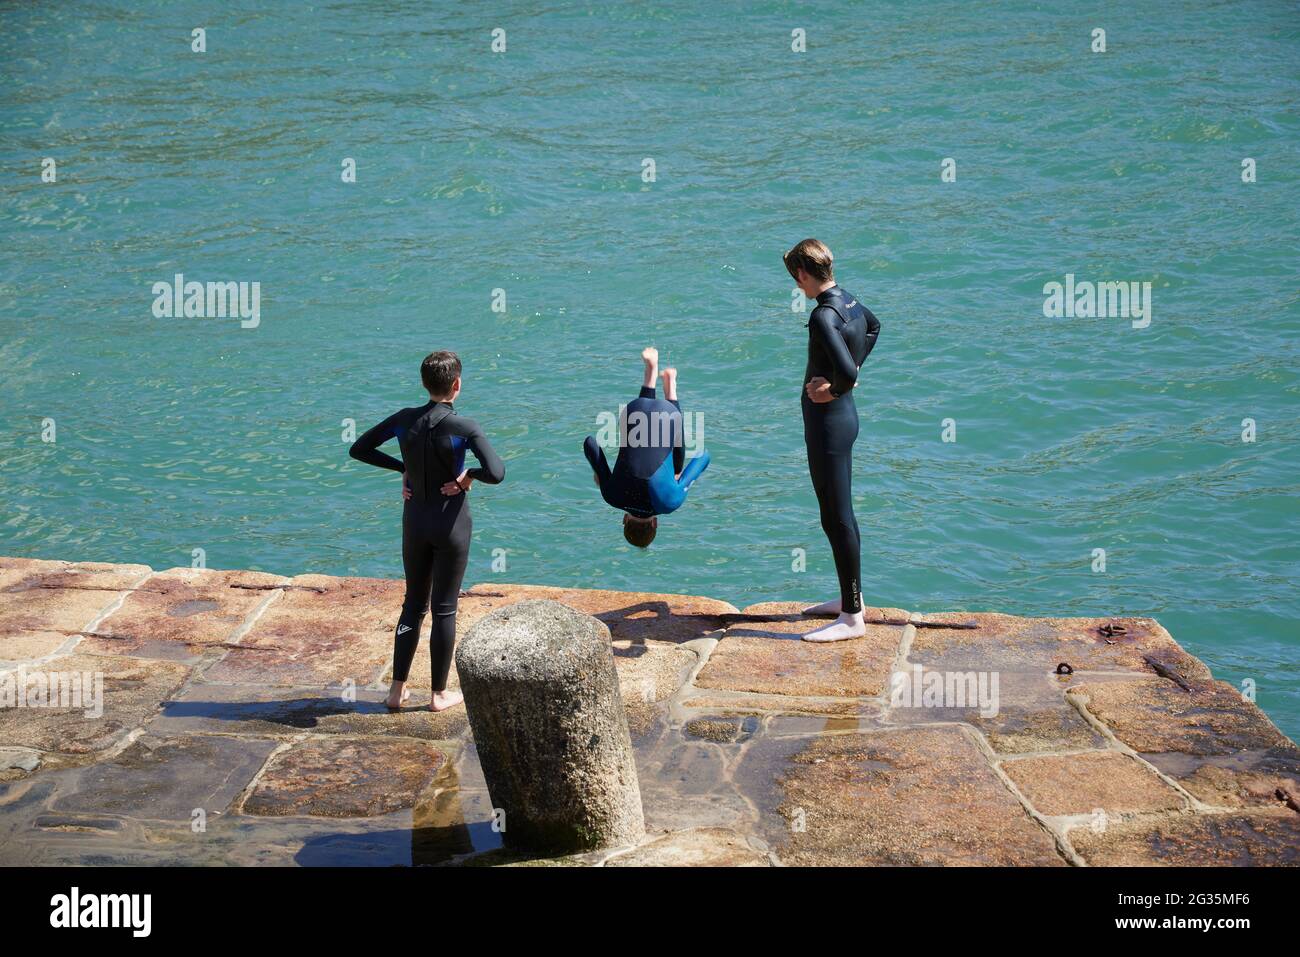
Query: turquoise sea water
522,171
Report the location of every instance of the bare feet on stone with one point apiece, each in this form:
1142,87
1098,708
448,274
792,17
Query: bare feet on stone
397,696
442,700
831,607
841,629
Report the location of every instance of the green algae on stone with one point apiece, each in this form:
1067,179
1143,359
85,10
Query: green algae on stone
344,777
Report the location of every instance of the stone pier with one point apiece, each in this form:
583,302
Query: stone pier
233,717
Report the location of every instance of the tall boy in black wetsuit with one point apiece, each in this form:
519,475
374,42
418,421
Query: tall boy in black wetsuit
436,523
841,334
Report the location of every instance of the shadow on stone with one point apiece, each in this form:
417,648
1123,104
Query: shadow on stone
418,847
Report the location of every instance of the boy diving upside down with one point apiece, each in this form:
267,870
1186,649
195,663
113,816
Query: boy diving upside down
651,476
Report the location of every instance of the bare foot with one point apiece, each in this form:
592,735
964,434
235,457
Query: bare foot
650,355
826,608
442,700
841,629
669,376
397,696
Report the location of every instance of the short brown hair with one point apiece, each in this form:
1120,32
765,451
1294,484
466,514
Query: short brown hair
813,257
640,533
439,372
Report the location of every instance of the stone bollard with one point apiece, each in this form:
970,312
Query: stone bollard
544,706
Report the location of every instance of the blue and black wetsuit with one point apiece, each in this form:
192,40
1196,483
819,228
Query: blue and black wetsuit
436,528
841,334
651,453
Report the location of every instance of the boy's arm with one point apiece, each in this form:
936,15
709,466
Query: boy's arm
873,332
491,470
366,448
596,457
845,374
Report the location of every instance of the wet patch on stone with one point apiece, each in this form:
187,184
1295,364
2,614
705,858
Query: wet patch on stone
1032,712
697,847
648,674
651,672
1085,783
453,819
133,690
193,608
1257,839
745,704
769,658
452,801
688,783
167,779
1260,778
781,726
345,777
908,797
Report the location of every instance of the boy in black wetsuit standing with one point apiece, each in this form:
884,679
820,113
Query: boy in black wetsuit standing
841,334
436,522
